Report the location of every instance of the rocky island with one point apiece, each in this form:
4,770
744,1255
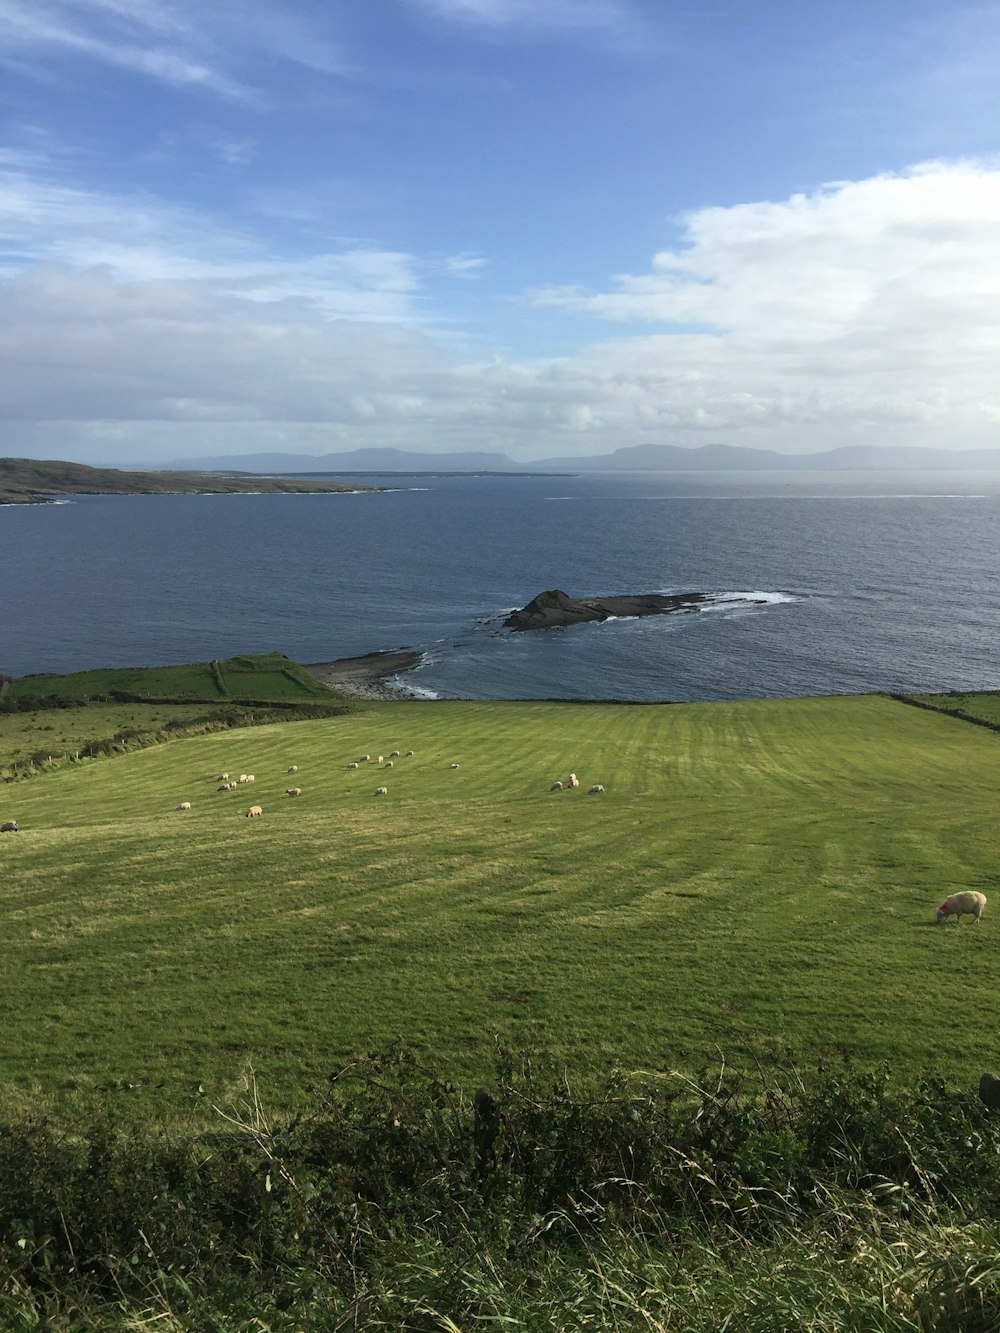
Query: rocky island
555,607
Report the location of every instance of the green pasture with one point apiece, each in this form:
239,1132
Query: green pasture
62,731
262,676
982,705
757,882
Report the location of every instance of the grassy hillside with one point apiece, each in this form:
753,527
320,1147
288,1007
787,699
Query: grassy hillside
758,879
32,481
270,677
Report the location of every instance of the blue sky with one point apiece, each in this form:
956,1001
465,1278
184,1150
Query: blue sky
548,227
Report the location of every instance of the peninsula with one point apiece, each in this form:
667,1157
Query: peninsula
556,608
37,481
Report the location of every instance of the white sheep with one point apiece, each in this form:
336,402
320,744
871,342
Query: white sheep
184,805
572,780
364,758
250,777
9,826
409,754
223,777
960,903
381,791
387,764
225,786
294,768
596,790
379,760
254,811
242,777
352,765
393,754
454,766
556,786
293,791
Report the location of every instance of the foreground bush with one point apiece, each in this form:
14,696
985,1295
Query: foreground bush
651,1202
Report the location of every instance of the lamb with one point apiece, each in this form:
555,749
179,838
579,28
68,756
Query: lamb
9,826
254,811
381,791
293,791
596,790
556,786
572,780
184,805
960,903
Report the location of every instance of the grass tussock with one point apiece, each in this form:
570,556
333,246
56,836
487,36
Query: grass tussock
837,1201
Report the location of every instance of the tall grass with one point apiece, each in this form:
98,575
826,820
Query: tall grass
732,1201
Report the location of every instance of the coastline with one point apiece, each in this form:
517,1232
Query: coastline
364,678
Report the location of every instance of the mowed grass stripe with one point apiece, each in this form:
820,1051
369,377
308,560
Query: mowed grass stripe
758,874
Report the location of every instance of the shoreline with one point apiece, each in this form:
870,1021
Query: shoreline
364,677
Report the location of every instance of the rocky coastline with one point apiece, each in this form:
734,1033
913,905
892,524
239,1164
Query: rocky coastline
365,678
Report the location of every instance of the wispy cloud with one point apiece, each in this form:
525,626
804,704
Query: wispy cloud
619,17
214,48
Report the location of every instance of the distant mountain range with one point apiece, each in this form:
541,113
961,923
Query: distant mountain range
639,458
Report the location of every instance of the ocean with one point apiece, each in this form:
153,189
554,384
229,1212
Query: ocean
819,583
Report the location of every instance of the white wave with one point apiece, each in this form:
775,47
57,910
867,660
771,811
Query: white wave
772,598
410,690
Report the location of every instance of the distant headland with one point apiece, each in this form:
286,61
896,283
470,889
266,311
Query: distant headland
36,481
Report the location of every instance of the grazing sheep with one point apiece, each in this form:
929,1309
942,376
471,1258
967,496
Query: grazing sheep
184,805
364,758
454,766
254,811
379,760
409,754
223,777
596,790
9,826
572,780
387,764
250,777
556,786
294,768
393,754
243,777
293,791
381,791
226,786
960,903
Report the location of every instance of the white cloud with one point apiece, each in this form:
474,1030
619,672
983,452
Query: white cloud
867,311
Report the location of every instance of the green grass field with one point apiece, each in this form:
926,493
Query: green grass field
263,676
758,880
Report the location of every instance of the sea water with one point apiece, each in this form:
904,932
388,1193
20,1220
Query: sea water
818,583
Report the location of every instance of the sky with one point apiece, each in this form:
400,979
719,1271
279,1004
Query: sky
548,228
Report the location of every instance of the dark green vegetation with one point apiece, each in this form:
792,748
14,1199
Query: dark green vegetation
755,891
33,481
764,1204
982,706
